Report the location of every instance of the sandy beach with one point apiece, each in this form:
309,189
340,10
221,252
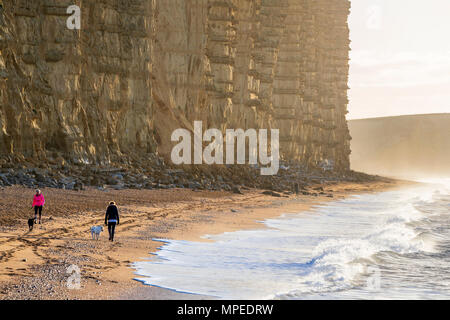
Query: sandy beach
33,264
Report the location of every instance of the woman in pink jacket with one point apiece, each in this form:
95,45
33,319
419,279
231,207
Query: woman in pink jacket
38,204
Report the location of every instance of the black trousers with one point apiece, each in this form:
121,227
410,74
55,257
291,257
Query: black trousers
111,229
36,210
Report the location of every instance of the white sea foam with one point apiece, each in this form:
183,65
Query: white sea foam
328,252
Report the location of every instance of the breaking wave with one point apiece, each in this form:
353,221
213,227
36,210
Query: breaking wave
392,245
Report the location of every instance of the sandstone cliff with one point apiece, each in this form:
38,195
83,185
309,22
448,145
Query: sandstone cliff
138,69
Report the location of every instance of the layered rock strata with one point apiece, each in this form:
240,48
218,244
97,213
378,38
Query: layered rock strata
138,69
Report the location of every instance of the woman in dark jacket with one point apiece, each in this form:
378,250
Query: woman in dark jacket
111,219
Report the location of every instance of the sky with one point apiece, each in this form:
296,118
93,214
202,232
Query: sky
400,58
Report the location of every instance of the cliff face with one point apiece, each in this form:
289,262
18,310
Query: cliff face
138,69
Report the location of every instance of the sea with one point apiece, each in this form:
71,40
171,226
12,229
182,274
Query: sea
387,245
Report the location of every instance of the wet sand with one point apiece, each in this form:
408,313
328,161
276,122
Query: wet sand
33,265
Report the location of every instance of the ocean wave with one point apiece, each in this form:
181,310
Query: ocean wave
332,251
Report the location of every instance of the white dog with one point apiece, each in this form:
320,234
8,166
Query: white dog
95,232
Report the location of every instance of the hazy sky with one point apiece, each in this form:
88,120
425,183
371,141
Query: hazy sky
400,58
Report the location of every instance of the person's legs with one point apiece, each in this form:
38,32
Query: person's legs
113,231
113,228
35,214
40,214
109,230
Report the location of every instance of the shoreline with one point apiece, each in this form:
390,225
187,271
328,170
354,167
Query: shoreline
153,292
106,271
